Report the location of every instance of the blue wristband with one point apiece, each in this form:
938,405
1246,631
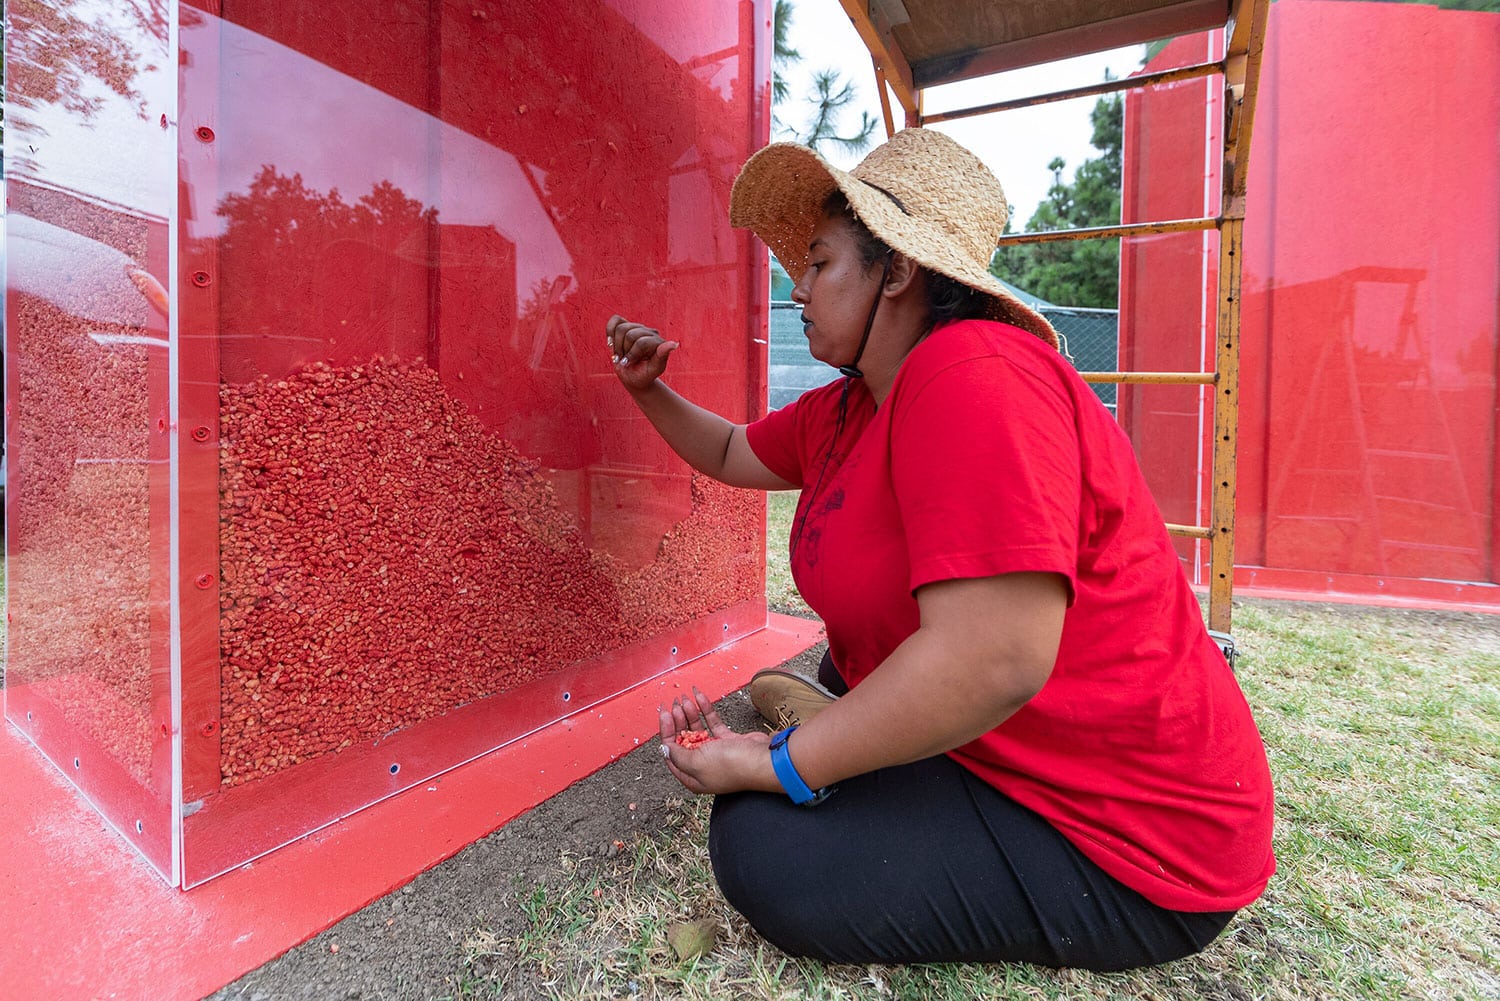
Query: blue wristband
786,773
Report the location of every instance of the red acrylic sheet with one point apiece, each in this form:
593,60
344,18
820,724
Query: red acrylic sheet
408,511
1368,340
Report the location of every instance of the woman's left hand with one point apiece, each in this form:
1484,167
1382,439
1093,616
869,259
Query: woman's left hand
727,762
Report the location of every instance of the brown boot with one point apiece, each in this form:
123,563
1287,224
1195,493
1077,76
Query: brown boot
785,699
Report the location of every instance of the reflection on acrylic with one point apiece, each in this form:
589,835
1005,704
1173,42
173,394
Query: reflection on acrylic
431,489
84,315
1368,337
401,229
314,445
78,532
1380,470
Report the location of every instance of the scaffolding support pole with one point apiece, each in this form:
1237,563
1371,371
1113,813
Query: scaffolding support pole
882,89
1226,429
1244,40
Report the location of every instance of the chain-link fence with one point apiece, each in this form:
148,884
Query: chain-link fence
1090,338
793,370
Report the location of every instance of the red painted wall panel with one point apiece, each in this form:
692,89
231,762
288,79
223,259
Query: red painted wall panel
1170,328
1371,283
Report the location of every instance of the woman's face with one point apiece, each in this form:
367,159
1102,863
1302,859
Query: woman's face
836,292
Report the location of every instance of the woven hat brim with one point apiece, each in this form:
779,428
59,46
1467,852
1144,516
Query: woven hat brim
779,196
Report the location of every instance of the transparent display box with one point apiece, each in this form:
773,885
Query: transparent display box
319,479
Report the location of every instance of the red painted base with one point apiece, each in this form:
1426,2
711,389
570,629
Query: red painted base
83,915
1363,589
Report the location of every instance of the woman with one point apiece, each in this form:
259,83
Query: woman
1037,753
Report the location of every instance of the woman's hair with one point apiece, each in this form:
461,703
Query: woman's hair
947,300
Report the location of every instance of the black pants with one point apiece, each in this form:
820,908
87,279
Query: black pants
926,863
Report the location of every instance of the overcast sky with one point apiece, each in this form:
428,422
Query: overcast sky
1016,145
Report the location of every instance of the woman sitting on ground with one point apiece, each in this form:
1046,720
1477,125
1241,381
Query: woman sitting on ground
1025,745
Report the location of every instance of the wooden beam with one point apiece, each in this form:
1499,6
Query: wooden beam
885,100
1189,531
1092,90
1105,232
1226,427
1152,378
1075,39
1245,39
1244,42
886,52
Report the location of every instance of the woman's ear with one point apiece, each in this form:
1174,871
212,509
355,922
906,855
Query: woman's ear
903,275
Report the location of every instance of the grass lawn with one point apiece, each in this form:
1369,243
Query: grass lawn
781,593
1384,736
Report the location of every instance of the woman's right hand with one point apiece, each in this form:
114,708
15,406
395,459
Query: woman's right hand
724,761
639,353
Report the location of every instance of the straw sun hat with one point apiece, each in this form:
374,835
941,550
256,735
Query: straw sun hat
920,193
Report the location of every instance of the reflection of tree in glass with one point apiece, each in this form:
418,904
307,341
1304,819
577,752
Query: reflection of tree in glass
291,254
282,216
546,297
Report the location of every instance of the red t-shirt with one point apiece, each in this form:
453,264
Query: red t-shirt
992,456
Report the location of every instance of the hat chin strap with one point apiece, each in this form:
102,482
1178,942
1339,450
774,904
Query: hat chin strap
852,370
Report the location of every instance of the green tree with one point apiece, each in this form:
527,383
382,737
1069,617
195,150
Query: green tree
823,107
830,96
1078,272
782,53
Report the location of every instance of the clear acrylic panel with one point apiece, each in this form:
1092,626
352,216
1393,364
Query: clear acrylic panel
439,522
89,169
356,496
